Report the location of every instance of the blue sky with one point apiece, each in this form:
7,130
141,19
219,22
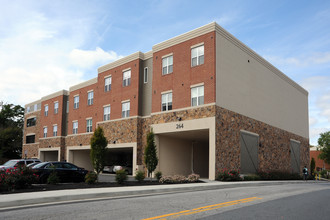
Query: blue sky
46,46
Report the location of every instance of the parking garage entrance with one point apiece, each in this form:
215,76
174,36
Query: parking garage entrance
117,154
49,154
120,157
186,147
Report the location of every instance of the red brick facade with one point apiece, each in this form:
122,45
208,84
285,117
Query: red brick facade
184,75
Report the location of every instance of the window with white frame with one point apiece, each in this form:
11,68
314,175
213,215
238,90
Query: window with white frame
46,110
197,95
197,56
127,78
45,132
167,101
55,107
145,75
90,98
106,113
76,102
54,130
107,84
89,123
167,64
125,106
28,109
75,127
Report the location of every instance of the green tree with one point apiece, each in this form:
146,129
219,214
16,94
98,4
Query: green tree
312,166
324,143
98,149
11,131
150,153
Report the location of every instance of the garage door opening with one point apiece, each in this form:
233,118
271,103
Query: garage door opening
49,155
81,158
184,153
120,157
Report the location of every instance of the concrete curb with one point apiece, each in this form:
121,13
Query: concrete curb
21,200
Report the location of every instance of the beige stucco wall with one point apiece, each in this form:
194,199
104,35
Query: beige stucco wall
250,86
146,88
174,156
189,125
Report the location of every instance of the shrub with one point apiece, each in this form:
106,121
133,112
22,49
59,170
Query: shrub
192,178
53,178
252,177
158,175
91,177
231,175
19,178
121,176
173,179
139,176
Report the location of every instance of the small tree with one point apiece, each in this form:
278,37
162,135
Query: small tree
324,143
150,154
98,150
312,166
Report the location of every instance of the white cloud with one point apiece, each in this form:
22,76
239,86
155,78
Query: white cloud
39,55
88,58
302,61
324,104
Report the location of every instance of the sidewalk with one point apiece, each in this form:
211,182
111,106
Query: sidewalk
19,200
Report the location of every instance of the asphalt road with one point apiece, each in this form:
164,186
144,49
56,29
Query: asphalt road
289,201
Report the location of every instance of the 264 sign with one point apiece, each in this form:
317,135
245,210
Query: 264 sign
179,126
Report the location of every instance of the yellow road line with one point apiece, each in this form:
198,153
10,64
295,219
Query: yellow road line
202,209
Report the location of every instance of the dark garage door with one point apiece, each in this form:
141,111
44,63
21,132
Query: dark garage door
249,152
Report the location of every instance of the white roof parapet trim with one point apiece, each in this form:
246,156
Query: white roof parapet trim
184,37
148,55
33,103
129,58
83,84
55,94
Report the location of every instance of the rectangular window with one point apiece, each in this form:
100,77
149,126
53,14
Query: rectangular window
197,55
67,106
127,78
106,113
107,84
45,132
125,106
197,96
28,109
46,110
76,102
89,125
35,107
167,64
31,122
30,139
75,127
167,101
55,107
145,75
54,130
90,98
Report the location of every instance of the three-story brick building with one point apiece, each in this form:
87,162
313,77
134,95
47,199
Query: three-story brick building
211,101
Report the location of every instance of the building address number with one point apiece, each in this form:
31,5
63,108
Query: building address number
179,126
